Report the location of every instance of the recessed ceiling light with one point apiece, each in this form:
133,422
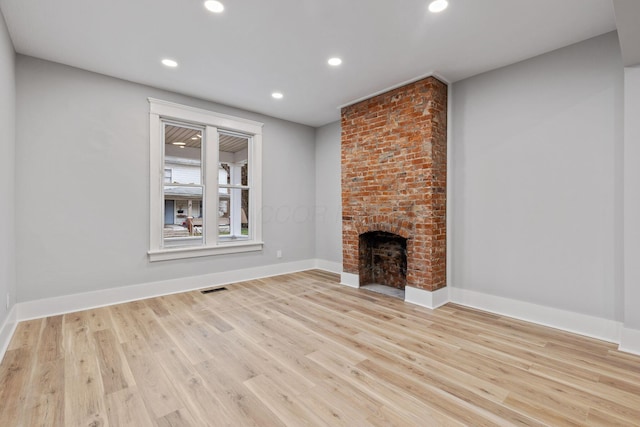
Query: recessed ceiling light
277,95
169,63
179,143
334,62
214,6
438,6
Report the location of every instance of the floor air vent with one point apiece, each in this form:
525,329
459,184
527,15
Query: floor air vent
208,291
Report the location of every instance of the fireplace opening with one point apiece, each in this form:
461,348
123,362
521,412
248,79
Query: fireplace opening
383,262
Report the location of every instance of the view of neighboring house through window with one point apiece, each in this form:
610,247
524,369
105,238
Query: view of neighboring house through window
183,188
205,182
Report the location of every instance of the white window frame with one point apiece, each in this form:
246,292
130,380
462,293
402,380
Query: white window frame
160,110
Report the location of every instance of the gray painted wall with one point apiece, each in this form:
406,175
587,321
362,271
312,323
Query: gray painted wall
82,169
7,169
328,194
537,196
632,199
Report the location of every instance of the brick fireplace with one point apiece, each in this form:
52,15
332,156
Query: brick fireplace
394,174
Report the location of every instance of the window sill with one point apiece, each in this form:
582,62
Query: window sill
200,251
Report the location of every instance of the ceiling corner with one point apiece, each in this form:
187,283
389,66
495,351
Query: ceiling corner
627,14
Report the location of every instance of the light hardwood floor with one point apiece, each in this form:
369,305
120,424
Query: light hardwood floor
300,350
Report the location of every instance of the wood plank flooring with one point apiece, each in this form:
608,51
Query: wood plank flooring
299,350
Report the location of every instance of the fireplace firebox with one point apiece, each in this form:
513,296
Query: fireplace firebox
383,259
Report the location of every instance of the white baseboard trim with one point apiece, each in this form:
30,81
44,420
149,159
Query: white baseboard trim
7,329
630,341
426,298
330,266
582,324
350,279
84,301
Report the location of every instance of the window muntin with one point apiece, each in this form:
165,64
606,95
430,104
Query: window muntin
208,200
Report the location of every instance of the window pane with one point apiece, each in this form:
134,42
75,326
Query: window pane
183,215
182,154
233,219
233,178
234,153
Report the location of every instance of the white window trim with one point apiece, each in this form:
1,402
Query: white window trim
161,110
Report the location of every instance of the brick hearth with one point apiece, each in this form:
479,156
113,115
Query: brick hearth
394,166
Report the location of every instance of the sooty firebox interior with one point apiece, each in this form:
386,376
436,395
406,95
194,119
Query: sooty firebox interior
383,259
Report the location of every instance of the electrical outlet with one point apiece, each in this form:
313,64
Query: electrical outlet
279,253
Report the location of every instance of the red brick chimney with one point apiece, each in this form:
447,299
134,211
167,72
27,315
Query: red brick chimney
394,175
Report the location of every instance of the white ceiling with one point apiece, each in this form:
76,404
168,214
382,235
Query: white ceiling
259,46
